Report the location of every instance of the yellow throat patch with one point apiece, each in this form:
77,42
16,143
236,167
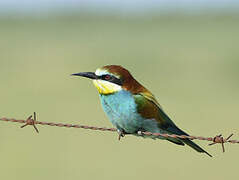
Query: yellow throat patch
105,87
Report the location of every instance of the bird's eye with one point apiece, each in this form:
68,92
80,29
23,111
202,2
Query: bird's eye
107,77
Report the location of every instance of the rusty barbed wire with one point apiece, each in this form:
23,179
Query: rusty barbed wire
219,139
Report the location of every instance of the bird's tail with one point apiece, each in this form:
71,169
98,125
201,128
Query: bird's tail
176,130
195,146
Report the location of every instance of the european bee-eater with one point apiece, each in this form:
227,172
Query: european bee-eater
132,108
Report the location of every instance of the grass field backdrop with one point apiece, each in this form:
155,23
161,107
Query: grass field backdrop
191,64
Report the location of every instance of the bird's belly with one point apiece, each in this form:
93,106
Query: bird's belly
122,111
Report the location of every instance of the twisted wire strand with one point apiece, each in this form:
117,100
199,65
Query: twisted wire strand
33,122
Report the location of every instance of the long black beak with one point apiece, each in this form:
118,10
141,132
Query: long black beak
90,75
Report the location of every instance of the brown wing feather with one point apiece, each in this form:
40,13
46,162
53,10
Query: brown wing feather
148,107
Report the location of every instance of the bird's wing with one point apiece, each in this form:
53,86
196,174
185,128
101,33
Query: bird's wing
149,108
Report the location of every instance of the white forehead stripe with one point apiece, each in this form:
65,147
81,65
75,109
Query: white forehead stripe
100,72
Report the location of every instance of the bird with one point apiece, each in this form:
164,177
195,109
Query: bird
131,108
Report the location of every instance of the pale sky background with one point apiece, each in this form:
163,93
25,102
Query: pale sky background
117,6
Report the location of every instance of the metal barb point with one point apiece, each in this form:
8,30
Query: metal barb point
221,140
31,121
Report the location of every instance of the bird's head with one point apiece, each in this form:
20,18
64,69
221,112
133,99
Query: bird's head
111,79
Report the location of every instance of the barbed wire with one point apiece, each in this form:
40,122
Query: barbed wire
31,120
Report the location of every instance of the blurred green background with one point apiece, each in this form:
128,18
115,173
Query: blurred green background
190,63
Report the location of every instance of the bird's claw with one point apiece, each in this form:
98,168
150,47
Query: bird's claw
121,134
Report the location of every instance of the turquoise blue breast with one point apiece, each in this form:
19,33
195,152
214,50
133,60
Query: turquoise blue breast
121,109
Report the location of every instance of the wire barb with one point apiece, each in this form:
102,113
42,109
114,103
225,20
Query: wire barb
32,122
221,140
215,140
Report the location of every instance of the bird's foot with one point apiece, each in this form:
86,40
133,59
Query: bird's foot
140,132
121,133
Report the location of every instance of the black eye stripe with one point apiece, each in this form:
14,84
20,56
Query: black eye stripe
111,79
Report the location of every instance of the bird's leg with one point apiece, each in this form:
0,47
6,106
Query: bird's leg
121,133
